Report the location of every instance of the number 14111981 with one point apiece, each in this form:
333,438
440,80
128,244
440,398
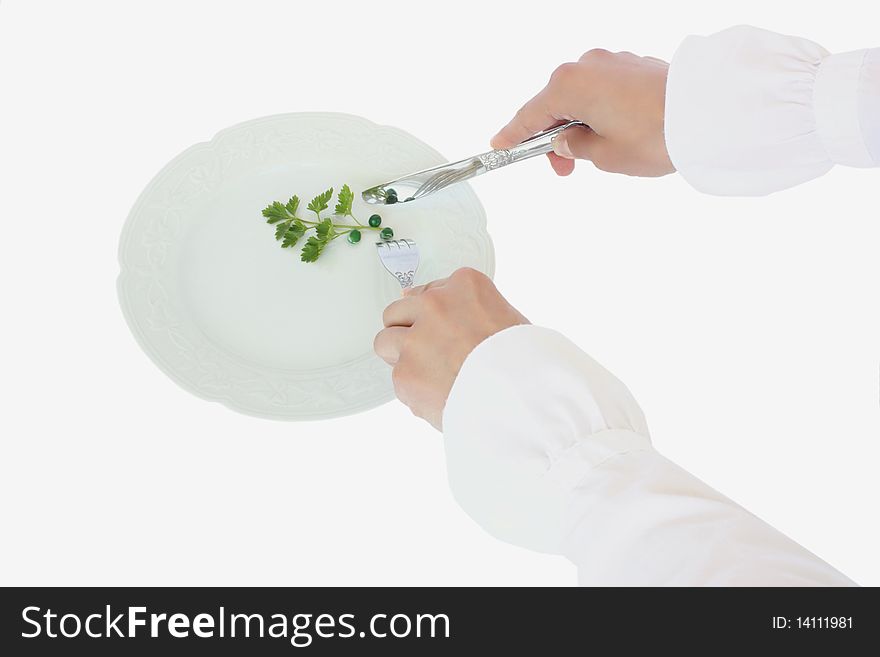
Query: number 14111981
814,622
824,622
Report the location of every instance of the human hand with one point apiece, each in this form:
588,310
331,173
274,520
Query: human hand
621,96
432,329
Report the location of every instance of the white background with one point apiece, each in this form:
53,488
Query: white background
748,329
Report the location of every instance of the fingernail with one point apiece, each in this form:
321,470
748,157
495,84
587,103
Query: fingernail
560,147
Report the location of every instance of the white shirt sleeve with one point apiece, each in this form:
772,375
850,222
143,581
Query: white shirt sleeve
749,112
548,450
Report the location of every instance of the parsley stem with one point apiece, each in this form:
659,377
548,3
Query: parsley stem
316,223
349,226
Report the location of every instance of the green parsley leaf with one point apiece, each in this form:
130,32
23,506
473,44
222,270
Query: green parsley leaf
344,200
275,213
292,236
325,229
292,205
320,202
289,233
312,249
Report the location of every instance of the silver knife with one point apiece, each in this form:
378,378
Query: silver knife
422,183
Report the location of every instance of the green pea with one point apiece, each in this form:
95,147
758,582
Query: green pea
386,233
354,236
375,221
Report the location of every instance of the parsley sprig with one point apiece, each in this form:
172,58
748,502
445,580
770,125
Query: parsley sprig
290,228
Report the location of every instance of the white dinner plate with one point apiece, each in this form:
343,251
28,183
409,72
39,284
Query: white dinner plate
230,316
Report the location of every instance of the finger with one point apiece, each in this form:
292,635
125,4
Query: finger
536,115
418,289
561,165
389,342
402,312
656,60
580,144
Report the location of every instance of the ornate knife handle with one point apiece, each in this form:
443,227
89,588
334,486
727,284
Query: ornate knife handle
538,145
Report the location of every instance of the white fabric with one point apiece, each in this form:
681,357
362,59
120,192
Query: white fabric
547,450
749,112
837,99
869,103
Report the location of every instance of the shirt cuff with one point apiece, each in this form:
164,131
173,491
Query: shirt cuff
869,106
529,417
838,107
750,112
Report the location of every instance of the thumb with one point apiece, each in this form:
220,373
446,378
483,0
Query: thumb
578,144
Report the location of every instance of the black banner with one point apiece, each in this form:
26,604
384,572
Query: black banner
408,621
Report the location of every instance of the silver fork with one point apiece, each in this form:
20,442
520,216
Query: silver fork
401,259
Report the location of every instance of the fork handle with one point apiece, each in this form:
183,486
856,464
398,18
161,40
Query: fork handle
540,144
